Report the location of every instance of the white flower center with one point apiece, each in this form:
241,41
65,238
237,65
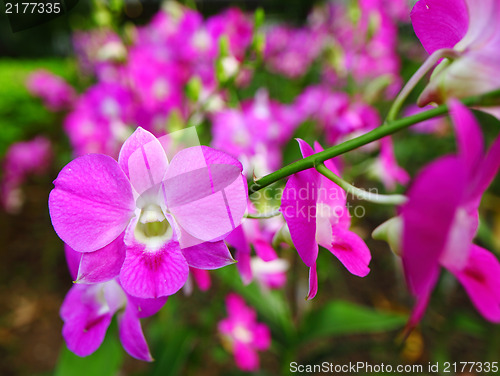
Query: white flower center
153,228
242,334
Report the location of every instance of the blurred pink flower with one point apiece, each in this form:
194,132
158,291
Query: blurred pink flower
56,94
256,134
243,334
99,122
291,51
21,160
437,125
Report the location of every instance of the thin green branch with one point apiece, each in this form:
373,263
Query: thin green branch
267,215
485,100
360,193
415,79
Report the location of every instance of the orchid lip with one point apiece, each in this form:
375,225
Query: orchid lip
153,228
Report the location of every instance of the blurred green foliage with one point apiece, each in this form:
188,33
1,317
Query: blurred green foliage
21,115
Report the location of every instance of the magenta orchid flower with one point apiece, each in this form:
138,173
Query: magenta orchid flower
87,311
440,221
147,220
315,211
472,30
242,334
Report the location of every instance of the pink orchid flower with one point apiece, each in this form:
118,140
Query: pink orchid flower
243,334
147,220
315,210
472,30
440,220
87,311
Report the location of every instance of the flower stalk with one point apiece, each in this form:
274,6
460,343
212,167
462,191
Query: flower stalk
488,99
360,193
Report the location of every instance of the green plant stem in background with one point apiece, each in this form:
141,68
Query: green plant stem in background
360,193
489,99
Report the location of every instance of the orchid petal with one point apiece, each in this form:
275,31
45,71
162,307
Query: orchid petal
427,219
245,356
264,250
262,337
85,325
481,280
419,310
469,135
153,273
202,278
146,307
205,192
313,283
143,160
487,172
439,23
131,335
73,260
92,202
298,206
238,240
208,255
351,250
102,265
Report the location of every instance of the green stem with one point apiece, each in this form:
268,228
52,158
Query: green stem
488,99
360,193
267,215
415,79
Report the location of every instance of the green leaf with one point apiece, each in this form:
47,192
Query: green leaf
343,318
106,361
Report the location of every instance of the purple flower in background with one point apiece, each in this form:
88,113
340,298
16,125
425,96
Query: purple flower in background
99,120
87,311
291,51
242,334
147,220
249,234
472,30
256,134
237,26
437,125
21,160
56,94
315,211
440,221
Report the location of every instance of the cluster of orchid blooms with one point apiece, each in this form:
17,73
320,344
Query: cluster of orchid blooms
140,216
